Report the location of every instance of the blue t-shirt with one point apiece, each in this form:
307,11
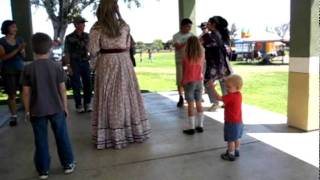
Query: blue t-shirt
15,63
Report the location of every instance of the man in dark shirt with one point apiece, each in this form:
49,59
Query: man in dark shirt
45,100
77,60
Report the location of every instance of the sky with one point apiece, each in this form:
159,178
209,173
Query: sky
158,19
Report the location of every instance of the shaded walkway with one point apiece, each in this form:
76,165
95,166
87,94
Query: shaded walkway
171,155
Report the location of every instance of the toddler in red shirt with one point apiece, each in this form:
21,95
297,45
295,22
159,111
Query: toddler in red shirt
192,64
233,126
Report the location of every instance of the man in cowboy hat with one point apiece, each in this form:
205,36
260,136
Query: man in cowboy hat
77,60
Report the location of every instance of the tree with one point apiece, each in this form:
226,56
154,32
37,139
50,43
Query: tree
140,46
281,30
157,44
233,33
62,12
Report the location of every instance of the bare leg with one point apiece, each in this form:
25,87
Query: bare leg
12,104
231,146
237,144
13,109
191,108
199,106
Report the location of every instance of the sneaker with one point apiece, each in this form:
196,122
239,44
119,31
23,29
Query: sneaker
228,157
199,129
80,109
237,153
43,175
13,121
70,168
189,131
214,107
180,103
88,108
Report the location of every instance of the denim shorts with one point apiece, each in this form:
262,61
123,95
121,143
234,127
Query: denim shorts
193,91
232,131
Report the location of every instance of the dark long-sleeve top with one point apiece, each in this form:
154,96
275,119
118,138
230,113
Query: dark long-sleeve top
215,55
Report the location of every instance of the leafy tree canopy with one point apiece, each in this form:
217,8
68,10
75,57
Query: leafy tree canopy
62,12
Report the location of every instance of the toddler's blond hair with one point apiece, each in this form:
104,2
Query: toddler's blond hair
235,80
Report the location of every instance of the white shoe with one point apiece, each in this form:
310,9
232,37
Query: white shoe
88,108
80,109
214,107
70,168
43,176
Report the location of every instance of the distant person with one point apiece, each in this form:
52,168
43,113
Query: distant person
140,52
77,60
56,53
233,126
119,116
45,100
12,54
192,83
179,42
204,29
217,66
150,54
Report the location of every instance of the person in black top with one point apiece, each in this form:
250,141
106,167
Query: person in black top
217,67
12,53
77,60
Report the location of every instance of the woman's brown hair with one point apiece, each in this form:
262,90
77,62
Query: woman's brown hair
109,18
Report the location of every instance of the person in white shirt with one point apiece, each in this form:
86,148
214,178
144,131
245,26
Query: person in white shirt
179,42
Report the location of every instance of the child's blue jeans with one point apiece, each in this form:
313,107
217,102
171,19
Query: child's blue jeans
59,128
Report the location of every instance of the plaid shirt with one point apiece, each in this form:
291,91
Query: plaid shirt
77,46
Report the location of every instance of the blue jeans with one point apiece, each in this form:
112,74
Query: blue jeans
210,91
81,79
59,128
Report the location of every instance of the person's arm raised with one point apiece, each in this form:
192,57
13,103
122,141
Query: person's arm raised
4,56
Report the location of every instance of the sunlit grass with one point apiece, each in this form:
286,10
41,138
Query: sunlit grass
264,86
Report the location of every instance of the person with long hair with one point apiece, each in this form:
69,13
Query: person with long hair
119,117
12,54
217,66
192,83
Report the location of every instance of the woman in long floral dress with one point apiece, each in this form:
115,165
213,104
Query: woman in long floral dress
119,117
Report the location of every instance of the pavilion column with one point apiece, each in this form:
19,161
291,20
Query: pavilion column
303,94
187,9
21,13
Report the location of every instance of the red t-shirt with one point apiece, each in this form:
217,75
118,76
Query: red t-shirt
232,107
192,71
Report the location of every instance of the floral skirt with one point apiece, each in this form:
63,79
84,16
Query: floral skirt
119,117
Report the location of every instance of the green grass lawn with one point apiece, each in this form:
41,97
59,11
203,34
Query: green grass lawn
264,86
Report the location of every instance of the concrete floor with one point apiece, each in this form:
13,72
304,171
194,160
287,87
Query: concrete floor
269,149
